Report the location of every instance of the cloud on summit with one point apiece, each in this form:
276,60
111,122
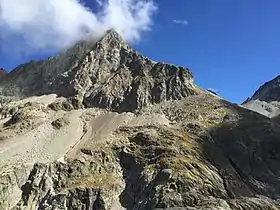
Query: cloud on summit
39,25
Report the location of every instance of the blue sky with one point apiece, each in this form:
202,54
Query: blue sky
231,46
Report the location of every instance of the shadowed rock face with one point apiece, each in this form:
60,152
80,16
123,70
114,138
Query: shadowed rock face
270,91
107,74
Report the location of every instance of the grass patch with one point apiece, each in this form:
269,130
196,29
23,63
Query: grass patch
96,180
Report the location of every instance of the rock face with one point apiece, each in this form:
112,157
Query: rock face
2,72
121,132
107,74
266,100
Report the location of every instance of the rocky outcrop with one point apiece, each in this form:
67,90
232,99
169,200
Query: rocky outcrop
11,180
212,154
71,185
107,74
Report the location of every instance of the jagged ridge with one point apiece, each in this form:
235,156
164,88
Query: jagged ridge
107,74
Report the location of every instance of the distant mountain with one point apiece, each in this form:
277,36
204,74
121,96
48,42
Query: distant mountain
266,100
269,91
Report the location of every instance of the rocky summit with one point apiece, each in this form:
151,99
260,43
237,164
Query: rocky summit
102,127
107,74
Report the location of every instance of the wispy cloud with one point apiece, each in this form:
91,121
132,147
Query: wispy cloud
55,24
183,22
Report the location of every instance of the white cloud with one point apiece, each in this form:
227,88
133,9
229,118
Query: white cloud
183,22
54,24
99,2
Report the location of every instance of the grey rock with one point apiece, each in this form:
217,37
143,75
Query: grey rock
59,123
107,74
72,186
229,118
10,185
163,176
61,105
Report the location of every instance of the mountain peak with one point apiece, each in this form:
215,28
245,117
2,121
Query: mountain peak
112,32
112,38
106,74
269,91
266,100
